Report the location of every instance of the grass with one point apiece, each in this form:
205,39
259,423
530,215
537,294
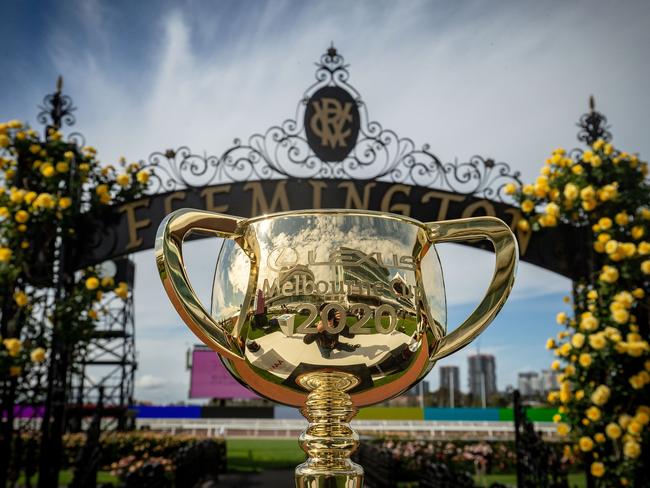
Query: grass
261,454
576,480
66,475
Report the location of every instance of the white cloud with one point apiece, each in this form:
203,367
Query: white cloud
501,80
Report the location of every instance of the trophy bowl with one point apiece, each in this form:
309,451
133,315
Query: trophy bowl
329,310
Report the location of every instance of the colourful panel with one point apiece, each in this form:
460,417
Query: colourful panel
462,414
541,414
506,414
390,413
157,412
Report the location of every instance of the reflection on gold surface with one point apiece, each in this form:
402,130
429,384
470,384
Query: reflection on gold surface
328,295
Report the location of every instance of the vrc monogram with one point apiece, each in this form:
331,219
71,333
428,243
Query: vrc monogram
328,121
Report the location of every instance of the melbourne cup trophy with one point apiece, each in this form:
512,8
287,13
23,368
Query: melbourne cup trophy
329,311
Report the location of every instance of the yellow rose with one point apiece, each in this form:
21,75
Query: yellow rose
634,428
84,167
622,218
105,198
588,193
101,189
555,365
21,216
620,316
523,225
553,210
613,431
624,420
644,248
588,322
586,444
608,274
605,223
585,360
645,266
580,394
593,414
21,298
589,205
30,197
5,254
563,429
547,221
143,177
15,370
565,349
561,318
4,140
47,170
13,346
578,340
528,190
577,169
107,282
597,469
597,341
611,246
527,206
638,293
123,179
600,395
592,295
600,438
65,202
550,343
637,232
571,191
62,167
92,283
93,314
68,155
608,192
122,290
631,449
37,355
642,418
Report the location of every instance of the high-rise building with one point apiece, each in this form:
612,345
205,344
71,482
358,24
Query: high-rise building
549,380
450,378
422,388
482,376
529,383
449,385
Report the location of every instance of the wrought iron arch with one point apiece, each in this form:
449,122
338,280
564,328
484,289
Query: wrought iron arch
283,151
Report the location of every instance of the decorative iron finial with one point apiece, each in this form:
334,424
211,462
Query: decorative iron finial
593,125
56,109
331,51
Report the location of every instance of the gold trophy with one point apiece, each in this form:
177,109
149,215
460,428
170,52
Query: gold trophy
329,311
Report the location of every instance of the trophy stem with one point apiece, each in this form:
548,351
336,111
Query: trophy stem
329,440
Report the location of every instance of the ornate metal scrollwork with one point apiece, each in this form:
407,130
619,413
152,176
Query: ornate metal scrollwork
283,151
593,125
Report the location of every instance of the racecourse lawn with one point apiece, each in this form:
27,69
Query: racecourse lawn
260,454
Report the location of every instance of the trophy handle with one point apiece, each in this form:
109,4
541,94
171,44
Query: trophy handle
507,255
169,260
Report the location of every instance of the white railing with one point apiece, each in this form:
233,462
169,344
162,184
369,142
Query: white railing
291,427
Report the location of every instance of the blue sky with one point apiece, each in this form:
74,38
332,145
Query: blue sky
502,79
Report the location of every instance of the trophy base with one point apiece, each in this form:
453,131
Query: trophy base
329,440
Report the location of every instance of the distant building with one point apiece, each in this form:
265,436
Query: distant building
529,383
482,376
549,380
422,388
450,378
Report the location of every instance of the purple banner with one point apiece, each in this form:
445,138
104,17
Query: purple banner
210,378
